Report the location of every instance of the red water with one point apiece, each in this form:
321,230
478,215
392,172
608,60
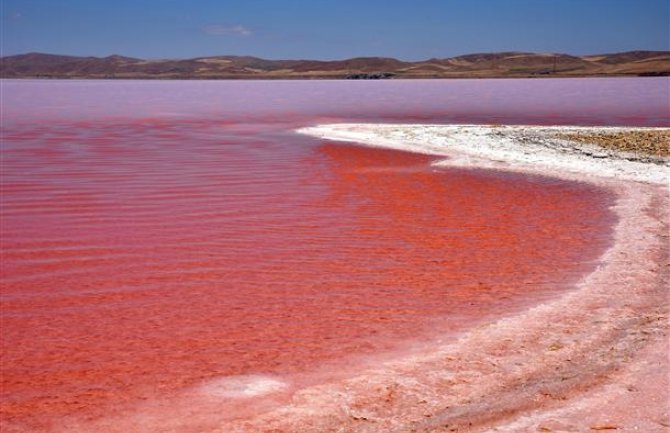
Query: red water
143,256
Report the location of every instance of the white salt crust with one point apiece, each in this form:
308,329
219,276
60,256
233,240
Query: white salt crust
530,149
242,386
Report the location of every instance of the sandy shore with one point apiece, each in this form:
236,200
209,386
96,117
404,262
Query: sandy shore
596,359
649,141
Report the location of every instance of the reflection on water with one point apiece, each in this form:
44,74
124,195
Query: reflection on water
145,255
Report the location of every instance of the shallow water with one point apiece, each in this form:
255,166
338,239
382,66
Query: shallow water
158,236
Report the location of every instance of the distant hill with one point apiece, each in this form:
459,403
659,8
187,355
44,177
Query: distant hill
484,65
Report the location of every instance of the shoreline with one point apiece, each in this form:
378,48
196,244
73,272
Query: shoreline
323,77
529,149
593,359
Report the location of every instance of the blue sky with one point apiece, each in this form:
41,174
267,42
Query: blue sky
331,29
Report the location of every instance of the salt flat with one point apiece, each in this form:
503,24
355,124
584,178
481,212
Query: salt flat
530,149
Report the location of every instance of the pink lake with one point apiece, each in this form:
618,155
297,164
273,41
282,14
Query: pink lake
158,235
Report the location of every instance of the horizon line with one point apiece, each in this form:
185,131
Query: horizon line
548,53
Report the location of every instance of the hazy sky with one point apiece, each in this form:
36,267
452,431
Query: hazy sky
331,29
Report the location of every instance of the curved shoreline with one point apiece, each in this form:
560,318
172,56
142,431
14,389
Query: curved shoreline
593,359
530,149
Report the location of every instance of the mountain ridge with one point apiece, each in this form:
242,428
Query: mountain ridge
477,65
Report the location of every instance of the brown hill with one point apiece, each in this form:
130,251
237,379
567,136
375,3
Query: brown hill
506,64
521,62
628,56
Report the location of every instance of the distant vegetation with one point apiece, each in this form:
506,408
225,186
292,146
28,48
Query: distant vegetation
510,64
